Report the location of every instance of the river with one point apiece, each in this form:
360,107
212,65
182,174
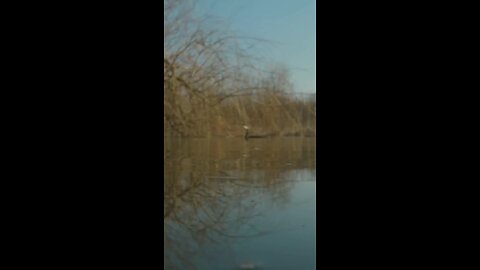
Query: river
236,204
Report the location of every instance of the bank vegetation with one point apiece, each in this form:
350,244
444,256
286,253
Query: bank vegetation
213,85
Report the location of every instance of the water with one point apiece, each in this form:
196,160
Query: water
233,204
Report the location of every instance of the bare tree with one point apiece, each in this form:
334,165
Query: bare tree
204,66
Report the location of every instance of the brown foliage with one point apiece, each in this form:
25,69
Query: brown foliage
212,86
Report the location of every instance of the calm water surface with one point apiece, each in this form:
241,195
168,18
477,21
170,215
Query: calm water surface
236,204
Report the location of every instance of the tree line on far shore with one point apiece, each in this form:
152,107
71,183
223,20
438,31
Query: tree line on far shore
213,86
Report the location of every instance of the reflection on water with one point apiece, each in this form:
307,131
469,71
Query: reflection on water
233,204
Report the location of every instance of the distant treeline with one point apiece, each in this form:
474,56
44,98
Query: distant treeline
213,86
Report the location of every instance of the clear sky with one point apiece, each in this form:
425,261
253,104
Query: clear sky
288,24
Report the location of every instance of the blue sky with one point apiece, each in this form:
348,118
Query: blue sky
289,25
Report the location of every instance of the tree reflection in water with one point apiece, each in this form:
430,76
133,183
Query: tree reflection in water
211,191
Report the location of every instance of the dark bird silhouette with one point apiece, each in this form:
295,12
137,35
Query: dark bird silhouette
251,136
